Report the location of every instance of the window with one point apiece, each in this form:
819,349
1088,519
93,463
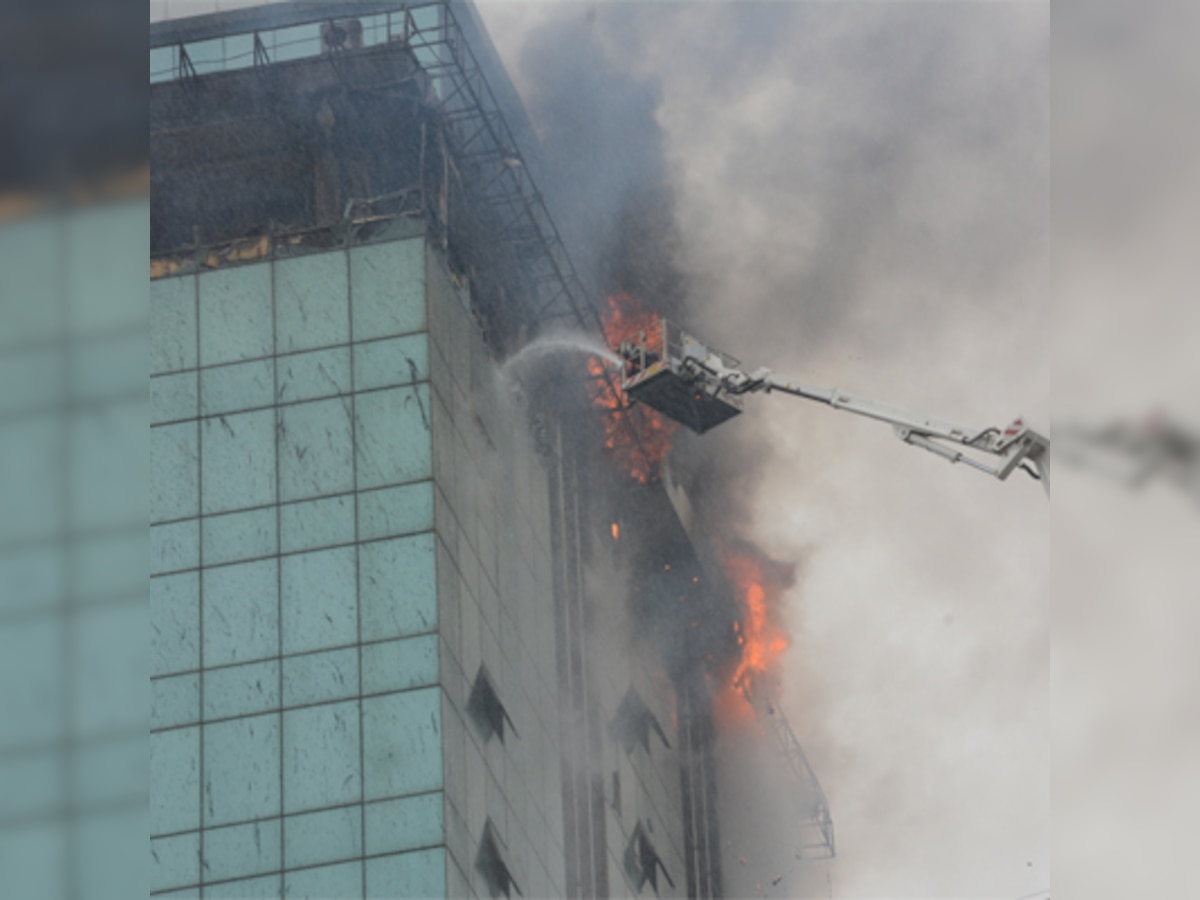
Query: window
642,862
486,709
633,723
491,863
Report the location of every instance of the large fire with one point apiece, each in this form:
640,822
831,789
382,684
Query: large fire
637,436
758,584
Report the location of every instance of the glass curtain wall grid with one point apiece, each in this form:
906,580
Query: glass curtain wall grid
337,514
296,719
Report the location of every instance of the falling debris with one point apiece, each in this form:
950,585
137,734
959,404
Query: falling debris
776,880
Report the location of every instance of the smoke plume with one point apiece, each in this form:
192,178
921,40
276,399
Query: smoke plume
859,197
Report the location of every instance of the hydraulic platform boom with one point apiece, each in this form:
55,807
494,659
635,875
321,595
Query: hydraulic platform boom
674,373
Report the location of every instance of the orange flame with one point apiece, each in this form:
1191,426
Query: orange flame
637,436
758,584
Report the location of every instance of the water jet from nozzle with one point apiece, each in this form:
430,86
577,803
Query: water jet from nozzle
549,345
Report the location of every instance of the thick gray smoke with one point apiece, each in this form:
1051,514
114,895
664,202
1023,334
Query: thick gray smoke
607,169
614,194
860,197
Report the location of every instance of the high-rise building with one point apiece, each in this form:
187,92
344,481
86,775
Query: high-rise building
414,632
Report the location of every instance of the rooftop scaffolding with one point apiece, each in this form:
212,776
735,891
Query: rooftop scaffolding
483,150
814,822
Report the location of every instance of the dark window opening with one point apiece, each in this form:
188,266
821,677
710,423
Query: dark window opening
616,792
492,866
633,723
642,862
486,709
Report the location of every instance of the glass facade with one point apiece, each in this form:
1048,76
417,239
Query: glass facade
296,738
349,522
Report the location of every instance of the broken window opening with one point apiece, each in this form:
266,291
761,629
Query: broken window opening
642,862
633,723
492,866
486,709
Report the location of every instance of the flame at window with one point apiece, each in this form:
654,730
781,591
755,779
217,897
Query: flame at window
759,584
637,437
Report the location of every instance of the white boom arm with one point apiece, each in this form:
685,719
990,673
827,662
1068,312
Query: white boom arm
1010,447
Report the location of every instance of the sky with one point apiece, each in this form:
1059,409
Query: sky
861,194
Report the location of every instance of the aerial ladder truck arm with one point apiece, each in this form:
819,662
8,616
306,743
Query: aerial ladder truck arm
674,373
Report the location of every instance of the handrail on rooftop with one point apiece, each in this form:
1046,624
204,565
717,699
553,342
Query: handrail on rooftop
271,17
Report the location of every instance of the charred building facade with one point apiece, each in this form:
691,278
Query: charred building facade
414,633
